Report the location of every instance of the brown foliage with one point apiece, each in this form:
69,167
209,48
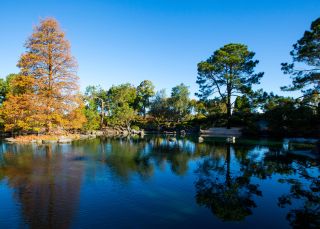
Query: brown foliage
31,137
46,94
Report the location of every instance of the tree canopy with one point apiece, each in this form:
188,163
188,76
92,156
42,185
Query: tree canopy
121,105
180,102
144,92
228,72
305,54
47,82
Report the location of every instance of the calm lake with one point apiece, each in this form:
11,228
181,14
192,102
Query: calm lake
153,182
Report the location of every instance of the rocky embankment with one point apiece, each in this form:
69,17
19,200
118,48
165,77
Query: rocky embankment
62,139
49,139
117,132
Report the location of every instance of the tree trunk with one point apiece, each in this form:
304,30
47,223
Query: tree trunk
102,114
128,127
49,93
228,107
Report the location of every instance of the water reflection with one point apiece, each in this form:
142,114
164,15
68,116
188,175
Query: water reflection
45,182
126,156
227,192
176,153
227,178
304,195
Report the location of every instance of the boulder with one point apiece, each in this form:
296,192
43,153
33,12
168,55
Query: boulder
99,133
10,140
125,133
83,136
52,141
64,140
92,136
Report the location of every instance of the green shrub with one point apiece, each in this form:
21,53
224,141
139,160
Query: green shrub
134,127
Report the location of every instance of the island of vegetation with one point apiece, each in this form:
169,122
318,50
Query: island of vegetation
43,102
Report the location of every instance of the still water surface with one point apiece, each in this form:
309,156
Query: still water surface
154,182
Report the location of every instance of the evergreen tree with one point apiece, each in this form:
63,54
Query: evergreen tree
228,72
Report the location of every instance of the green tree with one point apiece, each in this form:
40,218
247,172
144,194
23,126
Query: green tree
5,86
305,54
123,116
3,90
242,105
215,106
121,105
198,108
96,99
122,94
228,72
144,92
93,119
287,117
180,102
159,108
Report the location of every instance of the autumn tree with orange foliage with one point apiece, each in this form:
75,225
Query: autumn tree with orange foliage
49,99
19,110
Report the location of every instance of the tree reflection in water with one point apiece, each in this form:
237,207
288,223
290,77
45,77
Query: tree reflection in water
302,176
128,156
304,190
176,153
46,179
225,173
229,194
46,183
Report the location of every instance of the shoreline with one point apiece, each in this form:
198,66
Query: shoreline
68,138
48,139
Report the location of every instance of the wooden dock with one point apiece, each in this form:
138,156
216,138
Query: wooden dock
221,132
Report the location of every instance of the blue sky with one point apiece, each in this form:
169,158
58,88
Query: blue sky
120,41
